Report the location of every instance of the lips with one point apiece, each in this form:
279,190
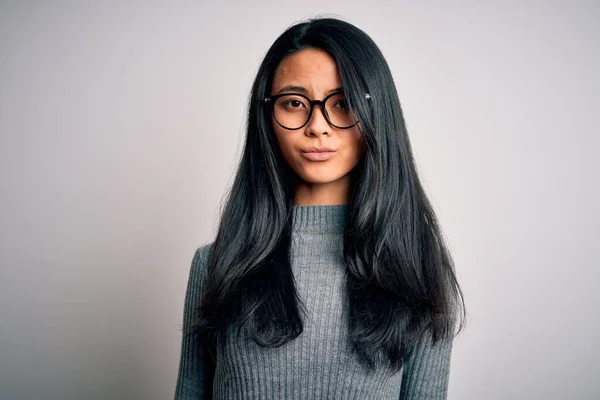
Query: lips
317,150
318,154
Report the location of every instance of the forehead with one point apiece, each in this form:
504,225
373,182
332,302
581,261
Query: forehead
313,69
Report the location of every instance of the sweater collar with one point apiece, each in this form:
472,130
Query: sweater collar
319,218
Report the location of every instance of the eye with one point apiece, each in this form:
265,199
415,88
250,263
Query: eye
337,102
341,104
293,103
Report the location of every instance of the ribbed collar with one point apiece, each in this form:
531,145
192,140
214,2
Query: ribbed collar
319,218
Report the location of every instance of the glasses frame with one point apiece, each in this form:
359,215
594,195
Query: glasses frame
313,103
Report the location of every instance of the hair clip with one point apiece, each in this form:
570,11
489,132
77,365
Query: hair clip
367,96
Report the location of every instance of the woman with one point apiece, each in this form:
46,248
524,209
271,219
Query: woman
329,277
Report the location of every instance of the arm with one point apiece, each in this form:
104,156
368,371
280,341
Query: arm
426,370
194,380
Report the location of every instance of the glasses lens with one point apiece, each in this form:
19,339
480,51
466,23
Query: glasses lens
291,111
339,113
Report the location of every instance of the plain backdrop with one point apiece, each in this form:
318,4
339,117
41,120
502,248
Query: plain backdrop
121,124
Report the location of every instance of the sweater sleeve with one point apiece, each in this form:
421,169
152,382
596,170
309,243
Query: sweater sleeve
426,370
194,380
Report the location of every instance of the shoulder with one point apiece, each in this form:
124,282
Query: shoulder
199,265
201,254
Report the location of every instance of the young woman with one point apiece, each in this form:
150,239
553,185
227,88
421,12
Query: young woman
329,277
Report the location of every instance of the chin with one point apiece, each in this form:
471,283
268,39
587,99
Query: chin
321,177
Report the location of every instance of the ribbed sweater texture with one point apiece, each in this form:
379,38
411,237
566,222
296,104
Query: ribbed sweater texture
319,364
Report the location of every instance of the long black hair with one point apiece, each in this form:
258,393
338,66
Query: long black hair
400,274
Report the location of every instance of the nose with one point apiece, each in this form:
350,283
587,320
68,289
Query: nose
318,123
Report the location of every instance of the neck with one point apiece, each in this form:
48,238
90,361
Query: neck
329,218
330,193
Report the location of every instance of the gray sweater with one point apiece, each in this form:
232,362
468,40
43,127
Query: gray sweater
319,364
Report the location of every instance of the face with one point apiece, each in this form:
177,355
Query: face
314,73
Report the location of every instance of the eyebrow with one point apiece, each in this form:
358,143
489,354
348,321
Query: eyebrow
301,89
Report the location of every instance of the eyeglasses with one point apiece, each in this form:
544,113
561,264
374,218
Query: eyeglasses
293,110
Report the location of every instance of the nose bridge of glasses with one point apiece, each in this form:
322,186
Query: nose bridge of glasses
321,103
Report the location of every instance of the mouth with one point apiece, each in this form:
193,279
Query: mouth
319,155
313,149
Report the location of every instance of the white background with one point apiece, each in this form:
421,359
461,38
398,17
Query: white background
121,124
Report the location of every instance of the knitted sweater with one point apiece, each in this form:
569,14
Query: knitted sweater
319,364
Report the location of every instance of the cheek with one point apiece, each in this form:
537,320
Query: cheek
355,147
285,145
279,136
